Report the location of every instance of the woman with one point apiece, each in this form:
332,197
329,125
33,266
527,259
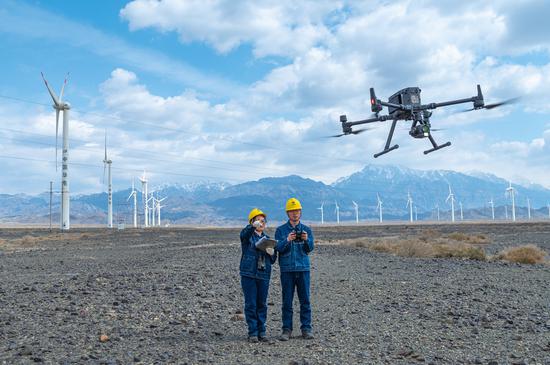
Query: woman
255,270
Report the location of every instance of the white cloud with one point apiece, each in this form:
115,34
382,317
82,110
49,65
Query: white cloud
285,28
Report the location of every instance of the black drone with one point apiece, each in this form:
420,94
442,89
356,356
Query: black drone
405,105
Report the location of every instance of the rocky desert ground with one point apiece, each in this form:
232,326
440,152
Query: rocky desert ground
173,296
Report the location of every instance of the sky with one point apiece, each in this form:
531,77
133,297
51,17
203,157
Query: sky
232,91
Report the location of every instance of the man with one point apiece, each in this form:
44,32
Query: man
294,243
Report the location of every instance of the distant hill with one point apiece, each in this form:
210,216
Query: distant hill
222,203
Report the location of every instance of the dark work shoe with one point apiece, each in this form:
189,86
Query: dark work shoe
307,335
252,339
263,338
285,336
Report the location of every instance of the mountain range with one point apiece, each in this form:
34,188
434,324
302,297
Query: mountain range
218,203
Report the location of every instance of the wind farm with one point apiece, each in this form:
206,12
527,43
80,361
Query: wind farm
239,182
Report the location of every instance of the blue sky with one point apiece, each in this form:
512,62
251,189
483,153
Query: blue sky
233,91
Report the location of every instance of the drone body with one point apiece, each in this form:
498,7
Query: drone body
406,105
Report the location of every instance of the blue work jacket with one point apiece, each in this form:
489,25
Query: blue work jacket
293,255
251,256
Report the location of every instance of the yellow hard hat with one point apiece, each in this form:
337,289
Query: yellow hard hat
293,204
254,213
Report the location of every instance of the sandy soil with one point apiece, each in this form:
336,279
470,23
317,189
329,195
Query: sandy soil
171,295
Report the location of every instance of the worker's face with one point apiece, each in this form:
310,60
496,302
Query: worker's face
262,220
294,215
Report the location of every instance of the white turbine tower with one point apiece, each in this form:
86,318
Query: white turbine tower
322,213
152,209
492,203
451,197
512,192
528,209
60,106
410,205
145,195
134,194
337,210
379,207
107,163
437,208
461,213
356,207
158,209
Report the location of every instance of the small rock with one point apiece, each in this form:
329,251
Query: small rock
25,351
103,338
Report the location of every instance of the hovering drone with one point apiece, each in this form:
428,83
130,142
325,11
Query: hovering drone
406,105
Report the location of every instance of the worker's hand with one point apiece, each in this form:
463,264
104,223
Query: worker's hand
304,236
270,251
291,236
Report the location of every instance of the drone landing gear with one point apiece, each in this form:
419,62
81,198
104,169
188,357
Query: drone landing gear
387,148
436,146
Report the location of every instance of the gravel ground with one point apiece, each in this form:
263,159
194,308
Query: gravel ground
173,296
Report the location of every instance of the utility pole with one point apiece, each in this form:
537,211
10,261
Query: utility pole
51,195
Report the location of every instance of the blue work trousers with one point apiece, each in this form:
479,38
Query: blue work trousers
255,304
298,280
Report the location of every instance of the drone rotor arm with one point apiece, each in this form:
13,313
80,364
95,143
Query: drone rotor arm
381,118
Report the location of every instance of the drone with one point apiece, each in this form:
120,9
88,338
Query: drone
406,105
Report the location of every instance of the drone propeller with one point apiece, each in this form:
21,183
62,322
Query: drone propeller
492,106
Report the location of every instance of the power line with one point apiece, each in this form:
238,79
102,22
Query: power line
250,171
263,146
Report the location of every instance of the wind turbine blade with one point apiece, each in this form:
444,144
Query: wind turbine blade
104,166
63,87
56,134
52,94
132,193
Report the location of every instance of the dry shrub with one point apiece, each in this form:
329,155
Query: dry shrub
429,234
28,240
418,247
527,254
473,239
460,250
2,242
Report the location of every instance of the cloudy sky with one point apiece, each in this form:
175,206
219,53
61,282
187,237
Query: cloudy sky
232,91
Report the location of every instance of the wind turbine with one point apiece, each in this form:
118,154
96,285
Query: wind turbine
410,205
379,207
492,207
134,194
356,211
512,192
337,210
322,213
528,209
60,106
107,163
461,213
437,208
452,198
144,195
